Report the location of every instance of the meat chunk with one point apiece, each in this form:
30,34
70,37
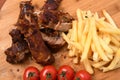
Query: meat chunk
16,35
36,45
56,20
29,28
51,4
53,39
53,21
19,49
56,24
65,22
36,30
48,16
51,17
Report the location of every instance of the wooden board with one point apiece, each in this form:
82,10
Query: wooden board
8,17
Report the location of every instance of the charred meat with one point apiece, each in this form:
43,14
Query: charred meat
38,33
52,38
19,49
51,4
29,27
36,44
52,23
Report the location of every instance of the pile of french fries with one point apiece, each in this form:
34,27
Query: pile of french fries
94,41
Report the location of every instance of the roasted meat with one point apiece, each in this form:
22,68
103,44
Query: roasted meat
16,35
37,47
38,33
29,28
47,17
56,20
19,49
27,14
52,23
52,38
51,4
65,22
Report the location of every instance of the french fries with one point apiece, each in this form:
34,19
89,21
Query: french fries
94,41
109,18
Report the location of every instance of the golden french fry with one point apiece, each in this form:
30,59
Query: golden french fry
113,47
69,33
89,14
84,15
94,41
76,60
79,31
85,32
72,52
104,24
97,43
114,62
107,49
109,18
80,25
79,15
95,53
116,36
107,38
96,57
77,45
109,30
74,30
114,41
66,38
105,46
87,45
99,64
88,66
117,66
96,16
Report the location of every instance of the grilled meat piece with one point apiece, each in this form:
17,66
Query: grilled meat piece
53,21
17,53
36,44
53,39
19,49
27,14
51,4
51,17
48,16
65,22
16,35
33,28
56,20
28,26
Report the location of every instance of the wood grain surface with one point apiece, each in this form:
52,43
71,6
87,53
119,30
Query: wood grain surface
8,17
1,3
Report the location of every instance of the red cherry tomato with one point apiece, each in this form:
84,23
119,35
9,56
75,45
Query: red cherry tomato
82,75
48,73
65,72
31,73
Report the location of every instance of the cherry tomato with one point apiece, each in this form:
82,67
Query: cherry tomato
31,73
48,73
65,72
82,75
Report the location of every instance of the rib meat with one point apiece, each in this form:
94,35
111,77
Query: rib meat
29,27
17,52
34,31
53,39
36,44
51,4
53,21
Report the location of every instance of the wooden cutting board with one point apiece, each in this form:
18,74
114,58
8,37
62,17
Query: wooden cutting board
8,17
